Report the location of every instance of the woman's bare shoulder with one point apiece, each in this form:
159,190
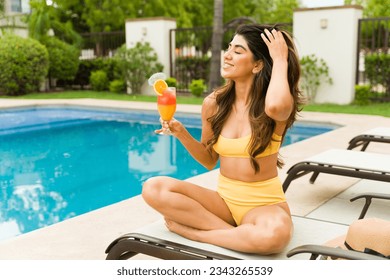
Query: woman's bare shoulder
210,99
209,102
209,106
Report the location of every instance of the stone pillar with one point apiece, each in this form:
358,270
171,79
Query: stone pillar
156,32
331,33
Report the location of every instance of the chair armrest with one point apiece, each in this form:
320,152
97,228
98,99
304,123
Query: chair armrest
369,197
316,250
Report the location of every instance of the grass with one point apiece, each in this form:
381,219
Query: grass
103,95
380,109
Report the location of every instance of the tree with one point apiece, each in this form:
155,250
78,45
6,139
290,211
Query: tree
277,11
216,45
108,15
39,19
72,11
372,8
44,18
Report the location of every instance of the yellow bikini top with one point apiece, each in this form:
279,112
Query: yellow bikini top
238,147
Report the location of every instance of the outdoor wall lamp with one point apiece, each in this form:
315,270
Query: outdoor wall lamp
324,23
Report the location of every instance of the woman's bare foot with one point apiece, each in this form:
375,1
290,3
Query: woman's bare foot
185,231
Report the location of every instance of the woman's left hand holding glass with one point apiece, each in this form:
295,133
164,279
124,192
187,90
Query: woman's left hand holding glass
174,126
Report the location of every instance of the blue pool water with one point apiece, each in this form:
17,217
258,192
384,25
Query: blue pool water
57,163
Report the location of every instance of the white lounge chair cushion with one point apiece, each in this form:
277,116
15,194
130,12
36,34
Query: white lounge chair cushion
378,131
306,231
353,159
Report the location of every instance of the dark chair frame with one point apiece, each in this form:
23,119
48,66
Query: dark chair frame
368,199
317,251
131,244
305,167
365,139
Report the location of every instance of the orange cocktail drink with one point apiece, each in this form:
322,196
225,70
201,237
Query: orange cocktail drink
166,103
166,100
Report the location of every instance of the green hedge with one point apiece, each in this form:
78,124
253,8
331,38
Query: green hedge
64,59
192,68
377,69
99,80
197,87
362,95
86,67
24,64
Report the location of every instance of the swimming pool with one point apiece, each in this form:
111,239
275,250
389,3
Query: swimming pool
60,162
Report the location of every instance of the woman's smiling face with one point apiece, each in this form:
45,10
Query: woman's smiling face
238,62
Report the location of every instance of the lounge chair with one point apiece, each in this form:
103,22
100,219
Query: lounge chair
318,251
379,134
341,162
155,240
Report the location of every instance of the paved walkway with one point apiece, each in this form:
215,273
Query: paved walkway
86,237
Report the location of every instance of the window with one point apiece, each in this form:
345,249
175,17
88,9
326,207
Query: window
20,6
16,6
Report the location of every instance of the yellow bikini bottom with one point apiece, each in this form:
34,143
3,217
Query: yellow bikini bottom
241,197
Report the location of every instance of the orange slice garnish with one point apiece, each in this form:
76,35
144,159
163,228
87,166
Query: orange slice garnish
159,86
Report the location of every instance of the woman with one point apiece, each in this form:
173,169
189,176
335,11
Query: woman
243,125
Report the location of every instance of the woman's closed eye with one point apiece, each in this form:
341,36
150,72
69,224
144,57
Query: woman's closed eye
236,49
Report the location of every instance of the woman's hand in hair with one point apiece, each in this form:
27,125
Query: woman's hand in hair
279,101
276,44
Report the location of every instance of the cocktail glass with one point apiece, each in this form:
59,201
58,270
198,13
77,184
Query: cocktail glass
166,105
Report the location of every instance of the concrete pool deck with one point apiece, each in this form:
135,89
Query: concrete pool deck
87,236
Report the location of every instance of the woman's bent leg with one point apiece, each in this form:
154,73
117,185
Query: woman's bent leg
265,230
187,203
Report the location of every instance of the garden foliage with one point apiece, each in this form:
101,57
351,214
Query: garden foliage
24,64
197,87
137,64
314,72
99,80
377,69
63,57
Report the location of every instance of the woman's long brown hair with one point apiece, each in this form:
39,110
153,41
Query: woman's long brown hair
262,126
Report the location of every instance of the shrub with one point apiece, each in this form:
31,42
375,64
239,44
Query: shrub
172,82
314,71
117,86
98,80
108,65
84,73
24,64
137,64
87,66
197,87
196,67
64,59
377,68
362,95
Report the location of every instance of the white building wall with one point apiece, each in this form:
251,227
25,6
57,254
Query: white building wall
12,22
156,32
331,33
